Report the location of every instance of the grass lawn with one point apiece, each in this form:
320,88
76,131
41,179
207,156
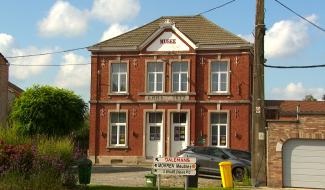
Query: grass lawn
103,187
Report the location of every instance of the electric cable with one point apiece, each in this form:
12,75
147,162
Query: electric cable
217,7
310,22
294,67
81,48
48,65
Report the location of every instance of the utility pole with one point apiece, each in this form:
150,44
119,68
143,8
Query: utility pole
258,121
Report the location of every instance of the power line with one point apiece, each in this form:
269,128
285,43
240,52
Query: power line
217,7
310,22
81,48
47,53
294,67
49,65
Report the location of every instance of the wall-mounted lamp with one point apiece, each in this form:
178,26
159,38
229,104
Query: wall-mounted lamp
237,135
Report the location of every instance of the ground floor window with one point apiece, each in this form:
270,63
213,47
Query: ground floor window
179,123
219,128
155,124
154,133
118,127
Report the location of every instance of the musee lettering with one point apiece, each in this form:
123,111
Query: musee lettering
167,41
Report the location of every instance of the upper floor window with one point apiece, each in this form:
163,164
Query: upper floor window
155,77
219,76
180,76
119,77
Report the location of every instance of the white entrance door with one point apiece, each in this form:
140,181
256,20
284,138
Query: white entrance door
304,163
154,135
178,136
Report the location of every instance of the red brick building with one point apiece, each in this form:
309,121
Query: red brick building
295,143
3,89
8,91
173,82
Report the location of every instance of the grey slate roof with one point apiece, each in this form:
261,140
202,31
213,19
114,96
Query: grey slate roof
198,29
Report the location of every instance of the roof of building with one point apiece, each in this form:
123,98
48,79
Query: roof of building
3,58
289,107
198,29
14,89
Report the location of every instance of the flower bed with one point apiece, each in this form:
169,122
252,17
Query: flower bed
40,163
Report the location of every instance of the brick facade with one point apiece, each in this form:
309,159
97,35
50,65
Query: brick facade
3,90
198,103
286,127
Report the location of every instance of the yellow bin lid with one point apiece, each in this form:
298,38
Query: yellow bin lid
225,163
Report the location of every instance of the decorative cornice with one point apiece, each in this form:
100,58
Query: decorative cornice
170,102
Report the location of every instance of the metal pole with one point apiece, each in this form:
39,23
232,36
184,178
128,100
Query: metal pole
186,182
258,115
158,179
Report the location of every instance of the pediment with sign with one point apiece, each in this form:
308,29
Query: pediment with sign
168,41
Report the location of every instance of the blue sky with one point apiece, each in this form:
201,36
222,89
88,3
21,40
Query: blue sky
32,26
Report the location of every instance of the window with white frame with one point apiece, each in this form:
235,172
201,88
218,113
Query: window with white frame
155,76
119,77
179,125
180,76
219,76
155,125
118,129
219,128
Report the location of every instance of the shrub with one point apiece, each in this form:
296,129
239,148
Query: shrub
10,135
16,158
81,137
42,164
49,111
61,148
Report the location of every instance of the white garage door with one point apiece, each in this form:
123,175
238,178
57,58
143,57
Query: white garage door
304,163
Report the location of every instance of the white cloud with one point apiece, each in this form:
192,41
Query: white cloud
115,30
296,91
9,48
6,42
74,76
112,11
23,72
64,19
287,37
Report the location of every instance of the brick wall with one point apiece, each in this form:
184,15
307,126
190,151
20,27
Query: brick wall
308,127
3,90
199,103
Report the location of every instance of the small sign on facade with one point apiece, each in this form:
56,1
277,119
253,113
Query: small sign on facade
258,109
261,136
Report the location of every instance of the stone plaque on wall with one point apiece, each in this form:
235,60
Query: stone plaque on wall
166,98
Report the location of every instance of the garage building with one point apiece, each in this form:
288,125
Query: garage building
296,144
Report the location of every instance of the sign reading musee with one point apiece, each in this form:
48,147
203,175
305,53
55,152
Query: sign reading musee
174,166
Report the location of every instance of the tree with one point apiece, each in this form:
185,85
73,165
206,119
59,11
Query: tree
323,98
48,110
309,97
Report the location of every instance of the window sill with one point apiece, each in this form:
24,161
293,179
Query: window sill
219,94
118,94
117,147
